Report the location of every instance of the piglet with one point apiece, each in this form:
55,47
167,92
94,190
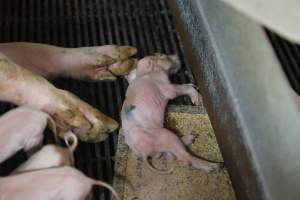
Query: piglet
64,183
21,128
143,112
51,156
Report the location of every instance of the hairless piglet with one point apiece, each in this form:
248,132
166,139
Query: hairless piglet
64,183
144,108
51,156
22,128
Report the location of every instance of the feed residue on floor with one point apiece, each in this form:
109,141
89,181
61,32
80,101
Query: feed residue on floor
184,183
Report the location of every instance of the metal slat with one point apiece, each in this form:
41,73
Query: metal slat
7,22
178,77
2,16
100,89
53,21
83,155
289,56
15,24
23,33
127,39
158,22
39,22
284,61
92,172
109,88
46,24
62,23
174,43
154,28
32,14
143,28
97,101
118,90
70,33
292,60
132,24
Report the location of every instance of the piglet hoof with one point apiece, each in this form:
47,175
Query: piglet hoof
188,139
215,167
194,86
196,98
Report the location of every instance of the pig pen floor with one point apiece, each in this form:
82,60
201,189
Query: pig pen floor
146,24
134,180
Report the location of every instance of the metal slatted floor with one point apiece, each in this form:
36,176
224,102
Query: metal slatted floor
146,24
289,57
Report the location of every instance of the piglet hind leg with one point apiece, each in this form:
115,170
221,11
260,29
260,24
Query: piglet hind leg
186,140
169,142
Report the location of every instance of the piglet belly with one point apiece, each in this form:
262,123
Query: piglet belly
148,106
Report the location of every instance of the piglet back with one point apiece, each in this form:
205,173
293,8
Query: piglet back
21,128
23,119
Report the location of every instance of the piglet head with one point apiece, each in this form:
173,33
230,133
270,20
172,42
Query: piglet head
158,62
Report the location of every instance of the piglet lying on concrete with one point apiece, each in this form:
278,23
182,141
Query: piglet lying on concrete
64,183
51,156
21,128
144,108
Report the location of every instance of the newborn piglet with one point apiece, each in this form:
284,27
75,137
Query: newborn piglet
22,128
64,183
51,156
144,108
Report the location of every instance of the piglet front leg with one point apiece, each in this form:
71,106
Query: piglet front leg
186,89
188,139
